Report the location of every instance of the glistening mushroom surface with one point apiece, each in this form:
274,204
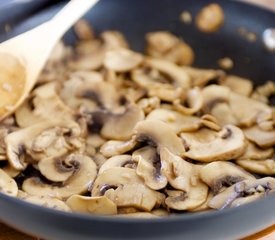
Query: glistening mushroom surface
111,131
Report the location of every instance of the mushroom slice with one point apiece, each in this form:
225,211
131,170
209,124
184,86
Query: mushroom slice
177,121
92,205
194,100
178,171
224,114
153,131
78,183
138,215
120,126
149,104
118,161
112,147
218,175
124,187
264,167
243,191
253,152
149,167
122,60
180,77
7,184
207,146
3,133
12,172
44,104
204,206
238,85
262,138
113,40
180,200
44,201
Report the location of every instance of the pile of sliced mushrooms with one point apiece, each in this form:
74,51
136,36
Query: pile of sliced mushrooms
110,131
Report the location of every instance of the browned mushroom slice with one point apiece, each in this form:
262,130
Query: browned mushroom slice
207,145
124,187
84,173
153,131
7,184
118,161
112,147
194,101
242,192
253,152
238,85
262,138
92,205
177,121
122,60
149,167
218,175
160,212
263,166
44,104
44,201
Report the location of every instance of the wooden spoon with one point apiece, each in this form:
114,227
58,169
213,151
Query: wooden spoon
23,57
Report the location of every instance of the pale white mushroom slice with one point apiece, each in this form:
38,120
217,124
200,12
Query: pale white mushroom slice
264,139
238,85
260,166
118,161
153,131
177,121
92,205
149,104
43,105
224,114
253,152
204,206
149,167
219,175
207,145
85,171
122,60
194,101
243,191
7,184
126,189
114,147
44,201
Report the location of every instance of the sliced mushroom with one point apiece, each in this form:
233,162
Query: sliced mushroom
177,121
160,212
82,176
242,192
126,189
7,184
207,145
12,172
44,201
253,152
262,138
114,40
112,147
138,215
219,175
149,167
260,166
92,205
118,161
149,104
152,132
238,85
194,102
204,206
122,60
3,133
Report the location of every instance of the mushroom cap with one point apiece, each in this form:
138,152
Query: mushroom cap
117,161
44,201
262,138
177,121
149,167
7,184
218,175
126,189
260,166
152,132
243,189
92,205
77,183
122,60
207,146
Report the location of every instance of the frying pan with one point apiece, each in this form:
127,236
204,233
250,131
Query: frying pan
134,19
